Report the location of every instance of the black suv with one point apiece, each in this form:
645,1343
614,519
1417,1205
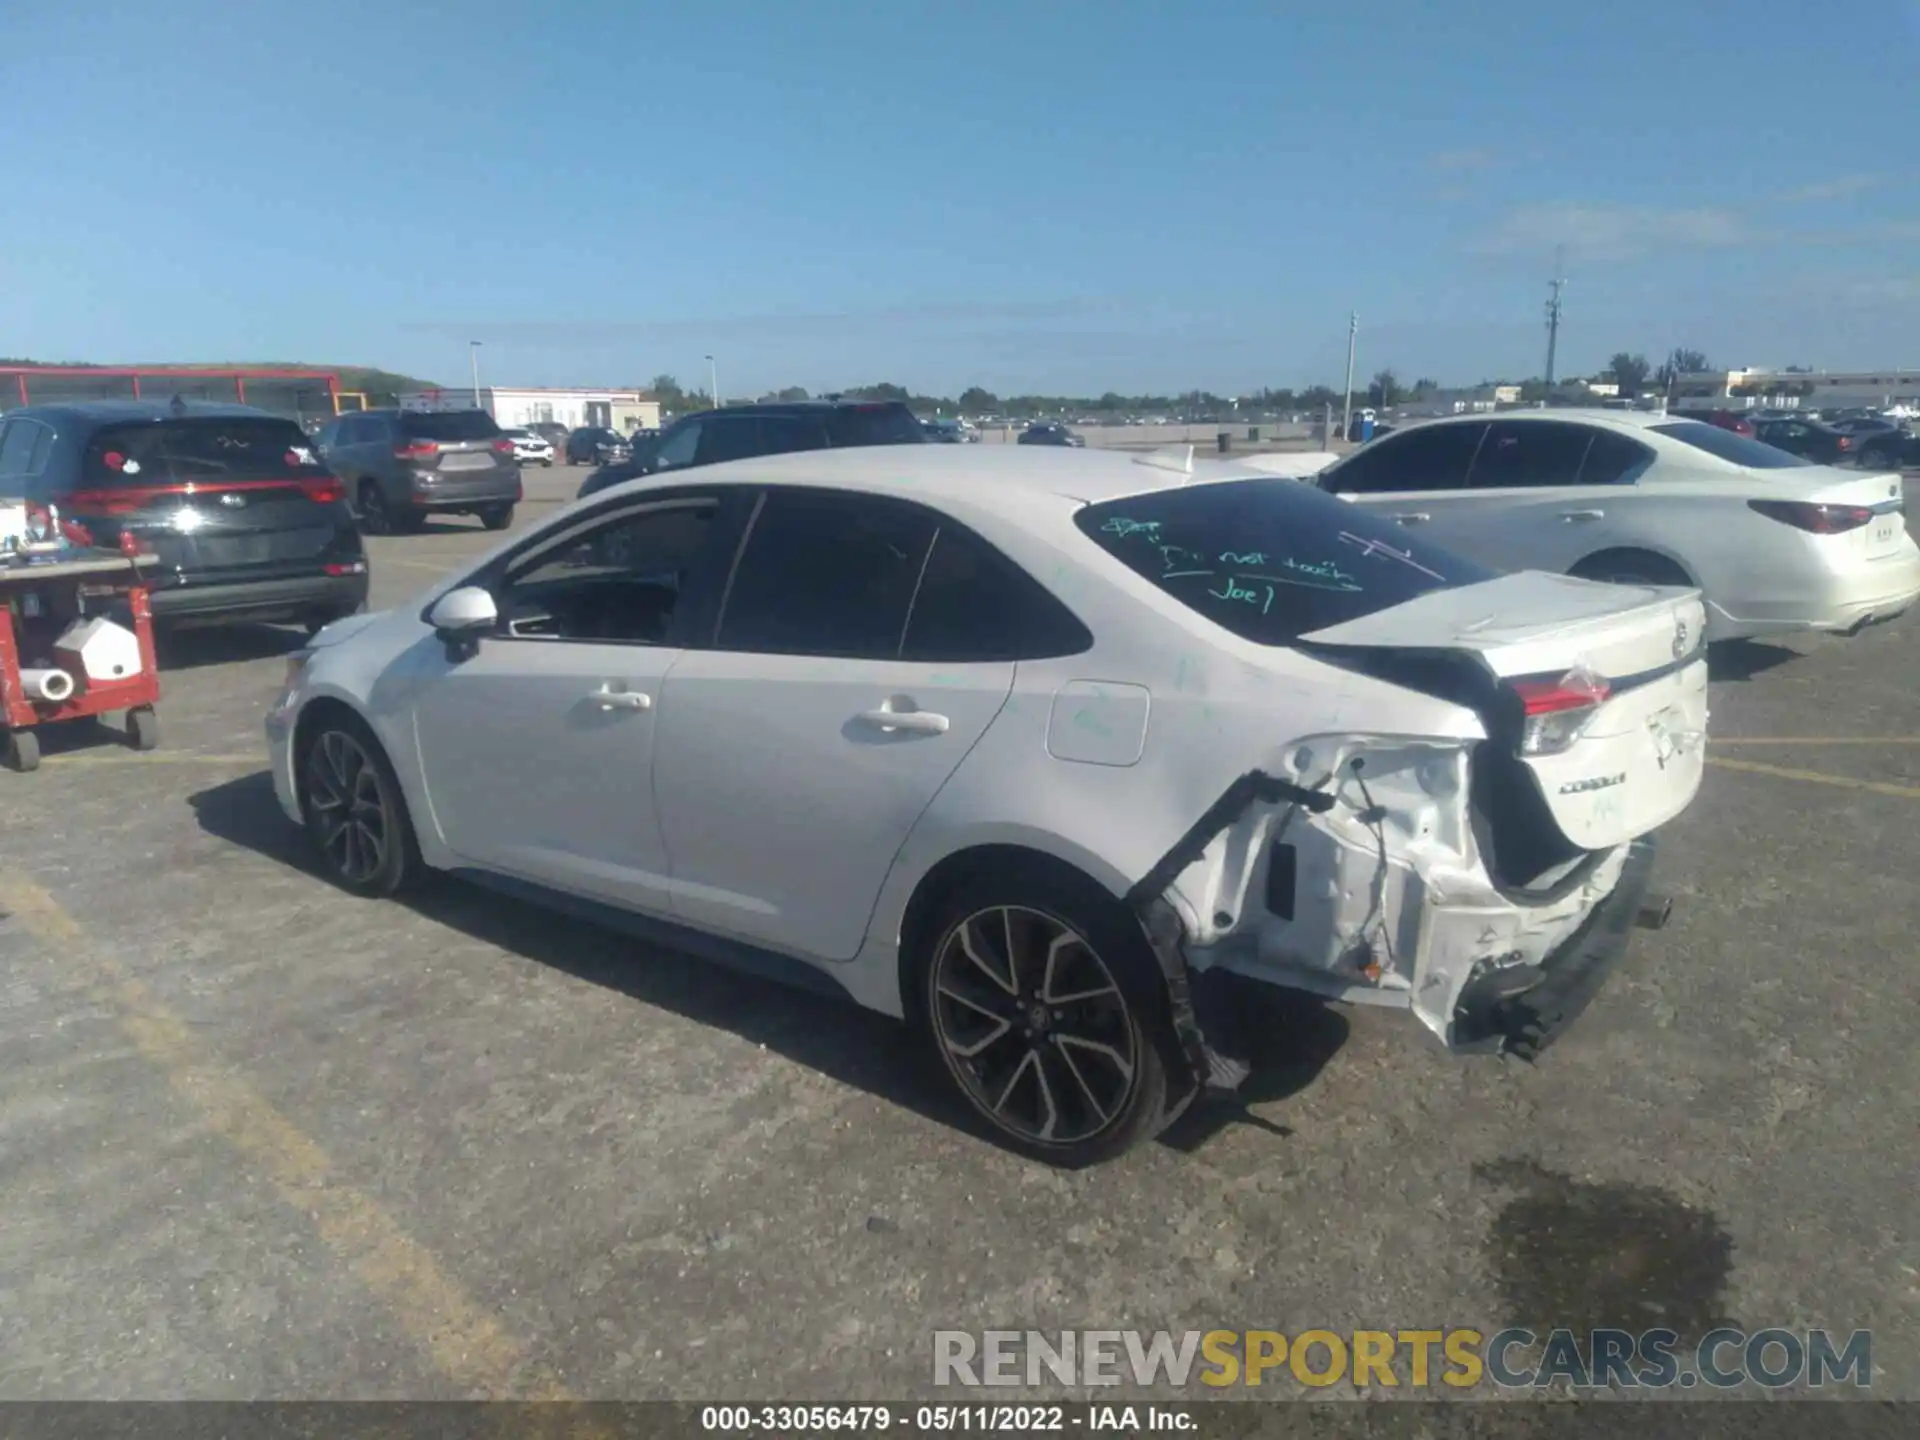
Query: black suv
247,521
740,432
595,445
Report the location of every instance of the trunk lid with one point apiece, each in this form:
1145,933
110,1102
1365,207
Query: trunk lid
1867,511
1599,691
209,492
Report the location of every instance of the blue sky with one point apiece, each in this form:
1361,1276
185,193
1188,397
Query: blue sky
1054,196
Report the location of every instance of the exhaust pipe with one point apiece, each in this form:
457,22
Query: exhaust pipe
1654,912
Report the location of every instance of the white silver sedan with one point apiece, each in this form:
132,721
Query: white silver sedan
1045,750
530,448
1776,543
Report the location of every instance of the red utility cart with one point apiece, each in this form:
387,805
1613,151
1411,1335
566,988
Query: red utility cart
39,599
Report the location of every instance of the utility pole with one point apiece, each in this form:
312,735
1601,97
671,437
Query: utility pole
1353,337
1554,288
473,358
713,381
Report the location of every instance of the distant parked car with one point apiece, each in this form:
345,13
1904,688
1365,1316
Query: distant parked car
243,513
400,466
1050,432
1809,439
740,432
551,431
531,449
1729,420
596,445
949,432
1775,542
1888,450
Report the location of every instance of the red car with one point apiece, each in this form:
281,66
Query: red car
1728,420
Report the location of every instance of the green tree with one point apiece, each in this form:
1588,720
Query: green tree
1629,372
975,401
791,394
1425,386
1384,389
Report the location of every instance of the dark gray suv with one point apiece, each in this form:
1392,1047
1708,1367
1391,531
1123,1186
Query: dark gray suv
400,466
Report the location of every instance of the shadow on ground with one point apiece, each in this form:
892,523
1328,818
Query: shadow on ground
1744,659
225,645
857,1047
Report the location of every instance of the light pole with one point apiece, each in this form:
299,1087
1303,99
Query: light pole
473,359
1353,337
713,381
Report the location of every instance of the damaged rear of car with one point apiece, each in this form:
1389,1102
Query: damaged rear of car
1466,831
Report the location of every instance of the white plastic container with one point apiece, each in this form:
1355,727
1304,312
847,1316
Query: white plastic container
98,649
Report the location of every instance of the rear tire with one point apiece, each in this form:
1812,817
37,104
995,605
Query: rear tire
355,813
375,519
1048,1014
497,517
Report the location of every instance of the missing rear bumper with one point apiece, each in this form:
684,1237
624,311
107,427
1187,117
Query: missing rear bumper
1521,1010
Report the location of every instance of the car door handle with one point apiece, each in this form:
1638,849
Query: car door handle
1581,514
609,699
1417,517
917,722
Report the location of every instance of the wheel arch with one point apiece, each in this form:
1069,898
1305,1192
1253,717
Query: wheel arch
1660,555
962,867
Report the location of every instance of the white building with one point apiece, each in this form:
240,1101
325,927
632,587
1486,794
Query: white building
535,405
1812,389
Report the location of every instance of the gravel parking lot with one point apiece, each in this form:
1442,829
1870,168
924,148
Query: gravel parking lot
260,1139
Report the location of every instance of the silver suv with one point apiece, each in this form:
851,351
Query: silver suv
400,466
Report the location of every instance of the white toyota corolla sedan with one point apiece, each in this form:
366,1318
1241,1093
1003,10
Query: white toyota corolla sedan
1033,748
1776,543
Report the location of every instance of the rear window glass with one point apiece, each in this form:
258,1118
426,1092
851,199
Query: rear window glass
883,424
209,448
449,425
1271,560
1727,445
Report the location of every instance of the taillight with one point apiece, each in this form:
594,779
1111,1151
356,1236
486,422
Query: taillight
416,450
323,488
1557,711
109,502
1814,519
1846,442
503,446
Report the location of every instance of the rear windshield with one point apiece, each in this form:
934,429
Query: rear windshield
198,448
1727,445
1271,559
448,425
882,424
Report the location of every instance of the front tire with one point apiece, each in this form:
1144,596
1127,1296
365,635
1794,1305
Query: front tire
1049,1016
356,815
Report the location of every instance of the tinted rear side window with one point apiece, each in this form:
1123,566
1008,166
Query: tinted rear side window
974,604
826,574
1430,458
1739,449
209,448
785,434
884,424
1271,560
449,425
1520,454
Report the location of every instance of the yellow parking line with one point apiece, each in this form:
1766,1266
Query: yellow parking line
1720,740
1814,777
465,1341
158,757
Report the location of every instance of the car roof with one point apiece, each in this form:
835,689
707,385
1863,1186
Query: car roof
1627,420
794,407
989,477
109,412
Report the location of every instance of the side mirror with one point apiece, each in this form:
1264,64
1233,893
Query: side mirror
464,614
